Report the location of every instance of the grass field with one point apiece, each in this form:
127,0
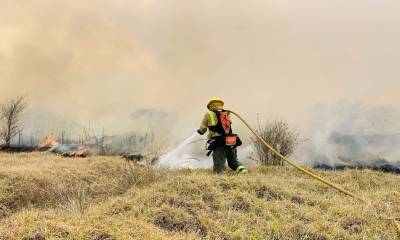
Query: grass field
45,196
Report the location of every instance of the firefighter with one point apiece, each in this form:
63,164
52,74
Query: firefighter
222,143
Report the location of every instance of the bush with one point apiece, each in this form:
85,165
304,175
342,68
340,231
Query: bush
280,136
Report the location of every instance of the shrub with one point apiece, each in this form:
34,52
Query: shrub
280,136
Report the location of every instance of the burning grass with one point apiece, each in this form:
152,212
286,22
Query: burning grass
46,196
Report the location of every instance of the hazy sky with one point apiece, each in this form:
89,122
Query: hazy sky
102,60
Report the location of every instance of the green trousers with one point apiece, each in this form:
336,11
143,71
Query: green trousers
221,154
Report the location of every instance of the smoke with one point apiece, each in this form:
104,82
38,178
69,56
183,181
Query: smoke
100,62
153,120
345,134
350,134
130,65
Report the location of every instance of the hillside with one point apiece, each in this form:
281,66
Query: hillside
44,196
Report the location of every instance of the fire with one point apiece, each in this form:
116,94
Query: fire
82,151
52,145
49,142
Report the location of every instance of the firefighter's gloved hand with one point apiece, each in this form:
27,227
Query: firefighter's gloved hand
200,132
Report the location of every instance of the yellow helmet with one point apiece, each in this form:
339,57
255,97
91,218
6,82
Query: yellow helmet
215,100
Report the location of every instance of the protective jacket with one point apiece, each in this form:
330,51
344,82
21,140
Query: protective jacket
210,122
218,123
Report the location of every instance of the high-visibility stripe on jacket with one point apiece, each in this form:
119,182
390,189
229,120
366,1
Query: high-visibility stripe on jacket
209,119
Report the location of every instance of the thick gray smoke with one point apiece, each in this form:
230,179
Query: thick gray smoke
354,135
101,61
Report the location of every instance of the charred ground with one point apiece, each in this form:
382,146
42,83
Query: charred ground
362,151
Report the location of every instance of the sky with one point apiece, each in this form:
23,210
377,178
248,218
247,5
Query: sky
105,61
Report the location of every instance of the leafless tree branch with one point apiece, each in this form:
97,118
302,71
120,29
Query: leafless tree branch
280,136
10,115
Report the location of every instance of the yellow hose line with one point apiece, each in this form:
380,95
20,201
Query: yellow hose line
397,226
395,223
290,162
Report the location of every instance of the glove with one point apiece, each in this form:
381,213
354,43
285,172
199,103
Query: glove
200,132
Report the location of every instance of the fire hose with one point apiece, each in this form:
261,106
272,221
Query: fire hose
293,164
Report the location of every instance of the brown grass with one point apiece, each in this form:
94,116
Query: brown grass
47,197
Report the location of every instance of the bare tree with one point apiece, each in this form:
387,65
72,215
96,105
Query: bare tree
10,114
62,136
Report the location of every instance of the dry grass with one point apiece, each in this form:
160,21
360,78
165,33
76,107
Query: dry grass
48,197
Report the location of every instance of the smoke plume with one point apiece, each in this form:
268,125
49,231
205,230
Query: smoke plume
349,134
102,61
130,65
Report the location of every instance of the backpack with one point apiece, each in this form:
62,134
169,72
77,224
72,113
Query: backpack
224,124
224,128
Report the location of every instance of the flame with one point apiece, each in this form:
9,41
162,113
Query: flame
81,151
49,142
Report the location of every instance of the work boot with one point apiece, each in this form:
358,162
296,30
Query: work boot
242,169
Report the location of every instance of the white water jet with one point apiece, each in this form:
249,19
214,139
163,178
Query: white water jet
191,153
185,155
